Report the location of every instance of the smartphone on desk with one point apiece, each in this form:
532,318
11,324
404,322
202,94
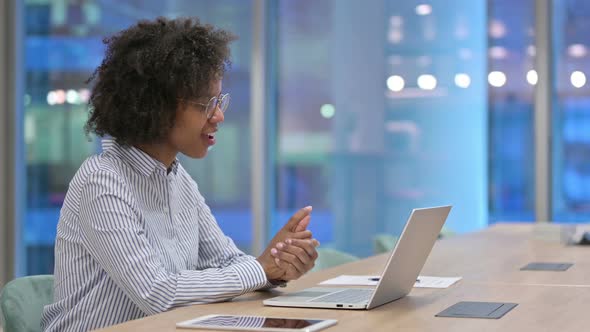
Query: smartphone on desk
256,323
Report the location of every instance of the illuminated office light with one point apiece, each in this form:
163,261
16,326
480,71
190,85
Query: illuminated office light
27,99
498,52
395,36
395,83
60,96
84,95
328,111
497,29
497,79
462,80
532,77
531,50
423,9
426,82
577,50
465,54
396,21
424,60
578,79
461,31
51,98
72,97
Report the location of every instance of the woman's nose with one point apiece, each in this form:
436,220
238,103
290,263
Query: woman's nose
218,116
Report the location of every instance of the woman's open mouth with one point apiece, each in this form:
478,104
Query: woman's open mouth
210,138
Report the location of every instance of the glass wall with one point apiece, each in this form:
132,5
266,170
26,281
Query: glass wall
571,113
511,79
418,103
63,46
380,117
304,143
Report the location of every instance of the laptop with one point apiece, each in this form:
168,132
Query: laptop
403,266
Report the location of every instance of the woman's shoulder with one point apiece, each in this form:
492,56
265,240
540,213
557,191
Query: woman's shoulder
100,165
95,169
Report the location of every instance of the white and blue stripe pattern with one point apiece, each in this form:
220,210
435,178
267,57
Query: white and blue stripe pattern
234,321
135,239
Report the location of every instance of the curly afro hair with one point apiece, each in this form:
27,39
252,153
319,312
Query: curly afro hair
146,70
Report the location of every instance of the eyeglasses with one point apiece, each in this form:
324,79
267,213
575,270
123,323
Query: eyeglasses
221,101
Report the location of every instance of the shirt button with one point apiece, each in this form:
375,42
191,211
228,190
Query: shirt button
165,210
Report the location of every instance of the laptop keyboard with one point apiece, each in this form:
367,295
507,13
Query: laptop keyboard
347,296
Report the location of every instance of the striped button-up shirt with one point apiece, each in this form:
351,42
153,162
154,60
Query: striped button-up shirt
134,239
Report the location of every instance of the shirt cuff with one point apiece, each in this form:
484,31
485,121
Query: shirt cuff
251,275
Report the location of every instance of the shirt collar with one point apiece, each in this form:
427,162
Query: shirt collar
139,160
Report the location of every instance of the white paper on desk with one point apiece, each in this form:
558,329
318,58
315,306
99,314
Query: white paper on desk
357,280
436,282
351,280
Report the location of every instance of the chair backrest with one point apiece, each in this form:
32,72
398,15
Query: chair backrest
446,232
384,243
328,257
22,301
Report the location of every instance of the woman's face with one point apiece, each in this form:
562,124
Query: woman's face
192,133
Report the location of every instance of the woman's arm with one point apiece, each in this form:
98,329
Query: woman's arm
112,233
215,248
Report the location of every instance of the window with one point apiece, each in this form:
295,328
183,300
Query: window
69,35
511,80
571,112
378,118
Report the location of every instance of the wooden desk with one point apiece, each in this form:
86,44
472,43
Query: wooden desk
496,255
488,261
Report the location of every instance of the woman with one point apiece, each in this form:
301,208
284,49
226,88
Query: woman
135,236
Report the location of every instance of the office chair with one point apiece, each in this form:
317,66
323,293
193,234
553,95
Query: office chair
383,243
328,257
22,301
